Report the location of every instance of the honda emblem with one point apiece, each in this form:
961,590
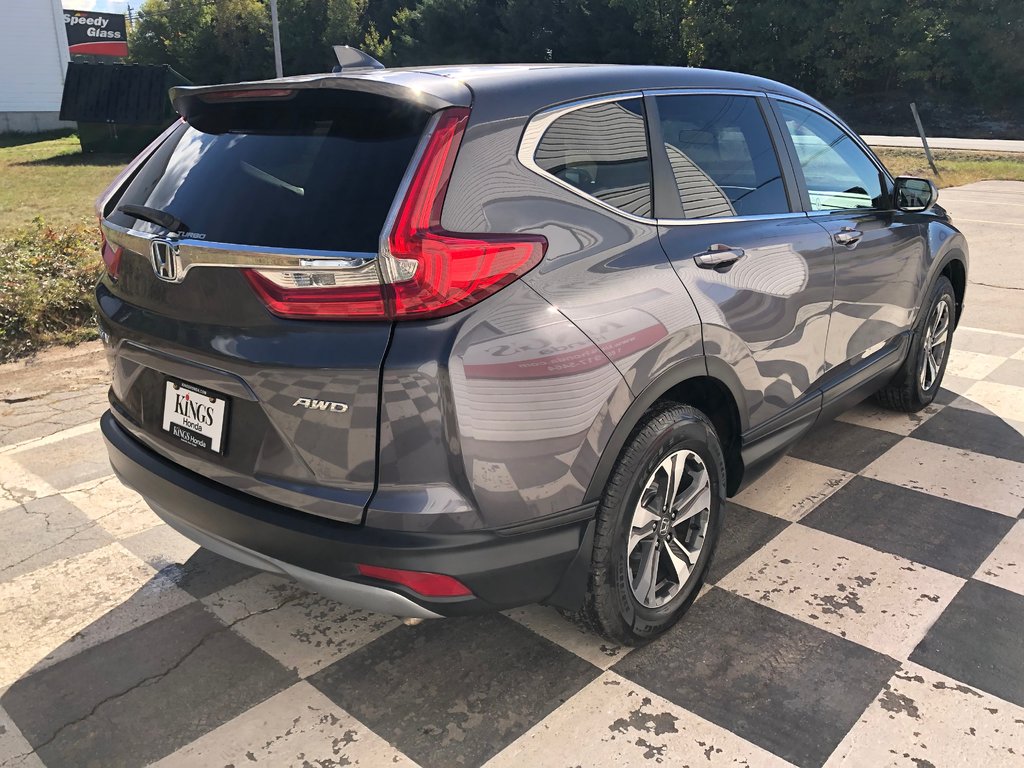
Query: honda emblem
165,260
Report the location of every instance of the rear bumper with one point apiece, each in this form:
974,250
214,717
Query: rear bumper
502,570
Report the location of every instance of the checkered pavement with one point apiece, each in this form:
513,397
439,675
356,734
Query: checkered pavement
866,608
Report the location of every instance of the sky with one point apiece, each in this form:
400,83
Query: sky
107,6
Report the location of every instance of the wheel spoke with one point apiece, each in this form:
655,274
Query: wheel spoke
932,372
675,469
644,583
679,563
645,523
696,499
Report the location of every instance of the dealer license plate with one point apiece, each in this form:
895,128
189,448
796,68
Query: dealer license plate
195,416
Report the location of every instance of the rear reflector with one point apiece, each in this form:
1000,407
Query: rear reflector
426,584
425,271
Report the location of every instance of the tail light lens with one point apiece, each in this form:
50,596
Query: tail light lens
425,271
448,271
319,297
111,255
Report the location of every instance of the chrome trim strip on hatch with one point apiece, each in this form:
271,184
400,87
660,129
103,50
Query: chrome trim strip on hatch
185,253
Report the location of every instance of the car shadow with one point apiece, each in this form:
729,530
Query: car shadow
78,159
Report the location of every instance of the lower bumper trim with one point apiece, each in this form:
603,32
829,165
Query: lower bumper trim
352,593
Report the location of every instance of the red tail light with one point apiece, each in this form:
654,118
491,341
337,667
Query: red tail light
452,271
111,255
425,271
426,584
356,302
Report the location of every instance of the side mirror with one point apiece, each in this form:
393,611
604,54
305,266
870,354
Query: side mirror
915,195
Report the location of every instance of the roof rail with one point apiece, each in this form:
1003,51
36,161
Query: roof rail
352,59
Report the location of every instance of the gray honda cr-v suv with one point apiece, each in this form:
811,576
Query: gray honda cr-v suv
442,340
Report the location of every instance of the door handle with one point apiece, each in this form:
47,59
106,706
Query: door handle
848,236
719,257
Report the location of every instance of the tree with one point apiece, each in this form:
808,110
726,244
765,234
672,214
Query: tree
309,29
215,41
965,52
448,32
178,33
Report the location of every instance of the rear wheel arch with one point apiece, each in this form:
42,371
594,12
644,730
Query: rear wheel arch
707,384
955,270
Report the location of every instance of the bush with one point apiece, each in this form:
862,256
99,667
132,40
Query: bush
46,281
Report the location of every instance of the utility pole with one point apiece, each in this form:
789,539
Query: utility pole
924,139
277,38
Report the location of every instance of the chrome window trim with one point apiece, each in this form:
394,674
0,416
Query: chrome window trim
539,123
857,140
677,91
191,252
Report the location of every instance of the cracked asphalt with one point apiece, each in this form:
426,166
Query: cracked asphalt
865,607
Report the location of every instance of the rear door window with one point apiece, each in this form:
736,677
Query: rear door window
601,150
317,171
722,156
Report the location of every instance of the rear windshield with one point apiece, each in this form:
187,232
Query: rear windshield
317,170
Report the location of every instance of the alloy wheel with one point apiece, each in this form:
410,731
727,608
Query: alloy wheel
936,337
668,528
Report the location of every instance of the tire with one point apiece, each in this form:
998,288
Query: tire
669,432
912,388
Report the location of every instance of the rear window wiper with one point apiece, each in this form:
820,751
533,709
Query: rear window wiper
154,216
262,175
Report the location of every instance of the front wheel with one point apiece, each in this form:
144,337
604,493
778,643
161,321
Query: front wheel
657,525
917,382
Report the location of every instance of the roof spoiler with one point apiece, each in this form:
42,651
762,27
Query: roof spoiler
432,92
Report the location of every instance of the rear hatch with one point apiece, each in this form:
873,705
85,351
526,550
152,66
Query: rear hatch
245,302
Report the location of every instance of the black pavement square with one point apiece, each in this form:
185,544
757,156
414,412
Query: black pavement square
454,692
849,447
979,640
202,574
944,534
41,531
744,531
973,431
784,685
206,572
144,694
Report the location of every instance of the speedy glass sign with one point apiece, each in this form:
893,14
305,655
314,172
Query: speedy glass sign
96,34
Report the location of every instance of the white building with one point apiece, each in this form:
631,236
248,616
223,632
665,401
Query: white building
33,59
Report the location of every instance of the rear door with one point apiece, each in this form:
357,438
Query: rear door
248,336
879,251
759,271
